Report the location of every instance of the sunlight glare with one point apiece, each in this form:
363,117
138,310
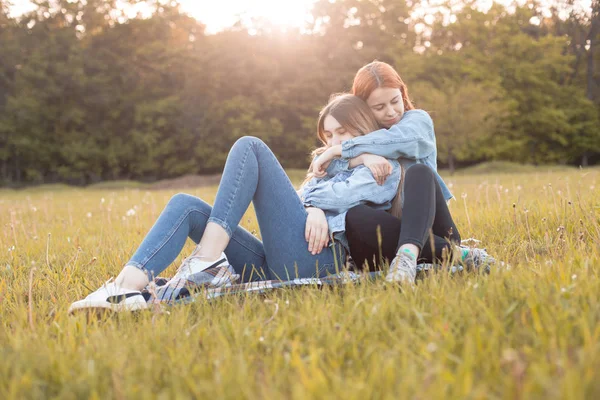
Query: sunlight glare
220,14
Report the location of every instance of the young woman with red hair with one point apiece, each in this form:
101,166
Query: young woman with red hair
419,213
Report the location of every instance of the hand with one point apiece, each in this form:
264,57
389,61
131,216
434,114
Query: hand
379,166
322,162
316,232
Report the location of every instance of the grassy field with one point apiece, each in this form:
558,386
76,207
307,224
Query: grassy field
530,330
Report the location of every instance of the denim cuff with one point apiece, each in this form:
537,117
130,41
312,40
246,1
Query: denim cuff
139,266
347,152
222,224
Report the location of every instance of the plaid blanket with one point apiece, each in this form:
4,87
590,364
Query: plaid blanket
222,281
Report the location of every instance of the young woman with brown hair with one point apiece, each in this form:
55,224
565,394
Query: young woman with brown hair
287,221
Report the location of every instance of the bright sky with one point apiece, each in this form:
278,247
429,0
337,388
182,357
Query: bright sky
219,14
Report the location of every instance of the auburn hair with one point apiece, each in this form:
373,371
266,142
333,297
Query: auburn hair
379,74
355,116
370,77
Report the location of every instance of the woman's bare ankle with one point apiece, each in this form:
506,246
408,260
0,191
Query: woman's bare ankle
132,278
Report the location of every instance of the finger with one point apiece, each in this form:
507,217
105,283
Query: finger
323,241
379,174
307,232
314,240
319,242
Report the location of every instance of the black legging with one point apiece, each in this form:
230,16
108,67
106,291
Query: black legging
424,213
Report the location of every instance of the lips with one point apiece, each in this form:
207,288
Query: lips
392,121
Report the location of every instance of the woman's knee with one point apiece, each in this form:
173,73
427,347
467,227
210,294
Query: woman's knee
184,201
248,141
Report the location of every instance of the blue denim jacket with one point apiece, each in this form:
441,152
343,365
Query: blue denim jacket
336,195
412,140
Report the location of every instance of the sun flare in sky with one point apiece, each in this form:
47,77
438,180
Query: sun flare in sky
219,14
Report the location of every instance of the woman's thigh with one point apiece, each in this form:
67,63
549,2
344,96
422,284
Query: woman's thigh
282,220
373,238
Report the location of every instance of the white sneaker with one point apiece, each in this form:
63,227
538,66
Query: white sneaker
111,297
193,265
403,269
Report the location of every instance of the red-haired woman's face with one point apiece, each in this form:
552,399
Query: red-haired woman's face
387,105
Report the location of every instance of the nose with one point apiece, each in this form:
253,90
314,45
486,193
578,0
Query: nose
390,111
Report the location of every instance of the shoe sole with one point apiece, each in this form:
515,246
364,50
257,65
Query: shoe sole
103,306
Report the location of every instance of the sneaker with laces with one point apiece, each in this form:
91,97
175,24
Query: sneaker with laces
195,274
111,297
478,259
403,269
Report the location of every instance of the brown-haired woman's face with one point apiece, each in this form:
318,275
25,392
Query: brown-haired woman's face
334,132
387,105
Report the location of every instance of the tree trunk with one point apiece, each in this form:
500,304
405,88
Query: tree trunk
451,162
584,159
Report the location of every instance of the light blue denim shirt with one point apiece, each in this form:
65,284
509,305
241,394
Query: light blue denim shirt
336,195
412,140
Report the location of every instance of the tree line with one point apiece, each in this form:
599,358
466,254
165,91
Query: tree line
88,93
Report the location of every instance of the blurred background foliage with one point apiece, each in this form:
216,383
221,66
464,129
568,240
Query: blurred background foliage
88,94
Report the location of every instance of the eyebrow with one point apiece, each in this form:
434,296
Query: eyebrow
381,104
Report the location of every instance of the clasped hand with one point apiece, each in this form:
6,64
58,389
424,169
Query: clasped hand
380,167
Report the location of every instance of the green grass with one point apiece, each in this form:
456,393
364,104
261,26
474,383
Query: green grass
524,332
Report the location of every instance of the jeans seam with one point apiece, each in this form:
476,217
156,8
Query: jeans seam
237,186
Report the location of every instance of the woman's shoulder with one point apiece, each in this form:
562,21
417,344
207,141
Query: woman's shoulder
417,113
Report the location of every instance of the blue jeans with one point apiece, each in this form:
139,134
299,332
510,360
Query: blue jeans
252,174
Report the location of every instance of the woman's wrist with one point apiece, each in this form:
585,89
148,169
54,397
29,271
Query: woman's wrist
356,161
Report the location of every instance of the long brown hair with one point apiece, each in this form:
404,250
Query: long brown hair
354,115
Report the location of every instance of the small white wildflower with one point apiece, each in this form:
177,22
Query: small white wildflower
563,290
431,347
130,212
11,249
34,208
261,339
89,215
592,187
574,276
475,286
102,200
505,190
69,239
450,185
519,187
287,302
549,262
